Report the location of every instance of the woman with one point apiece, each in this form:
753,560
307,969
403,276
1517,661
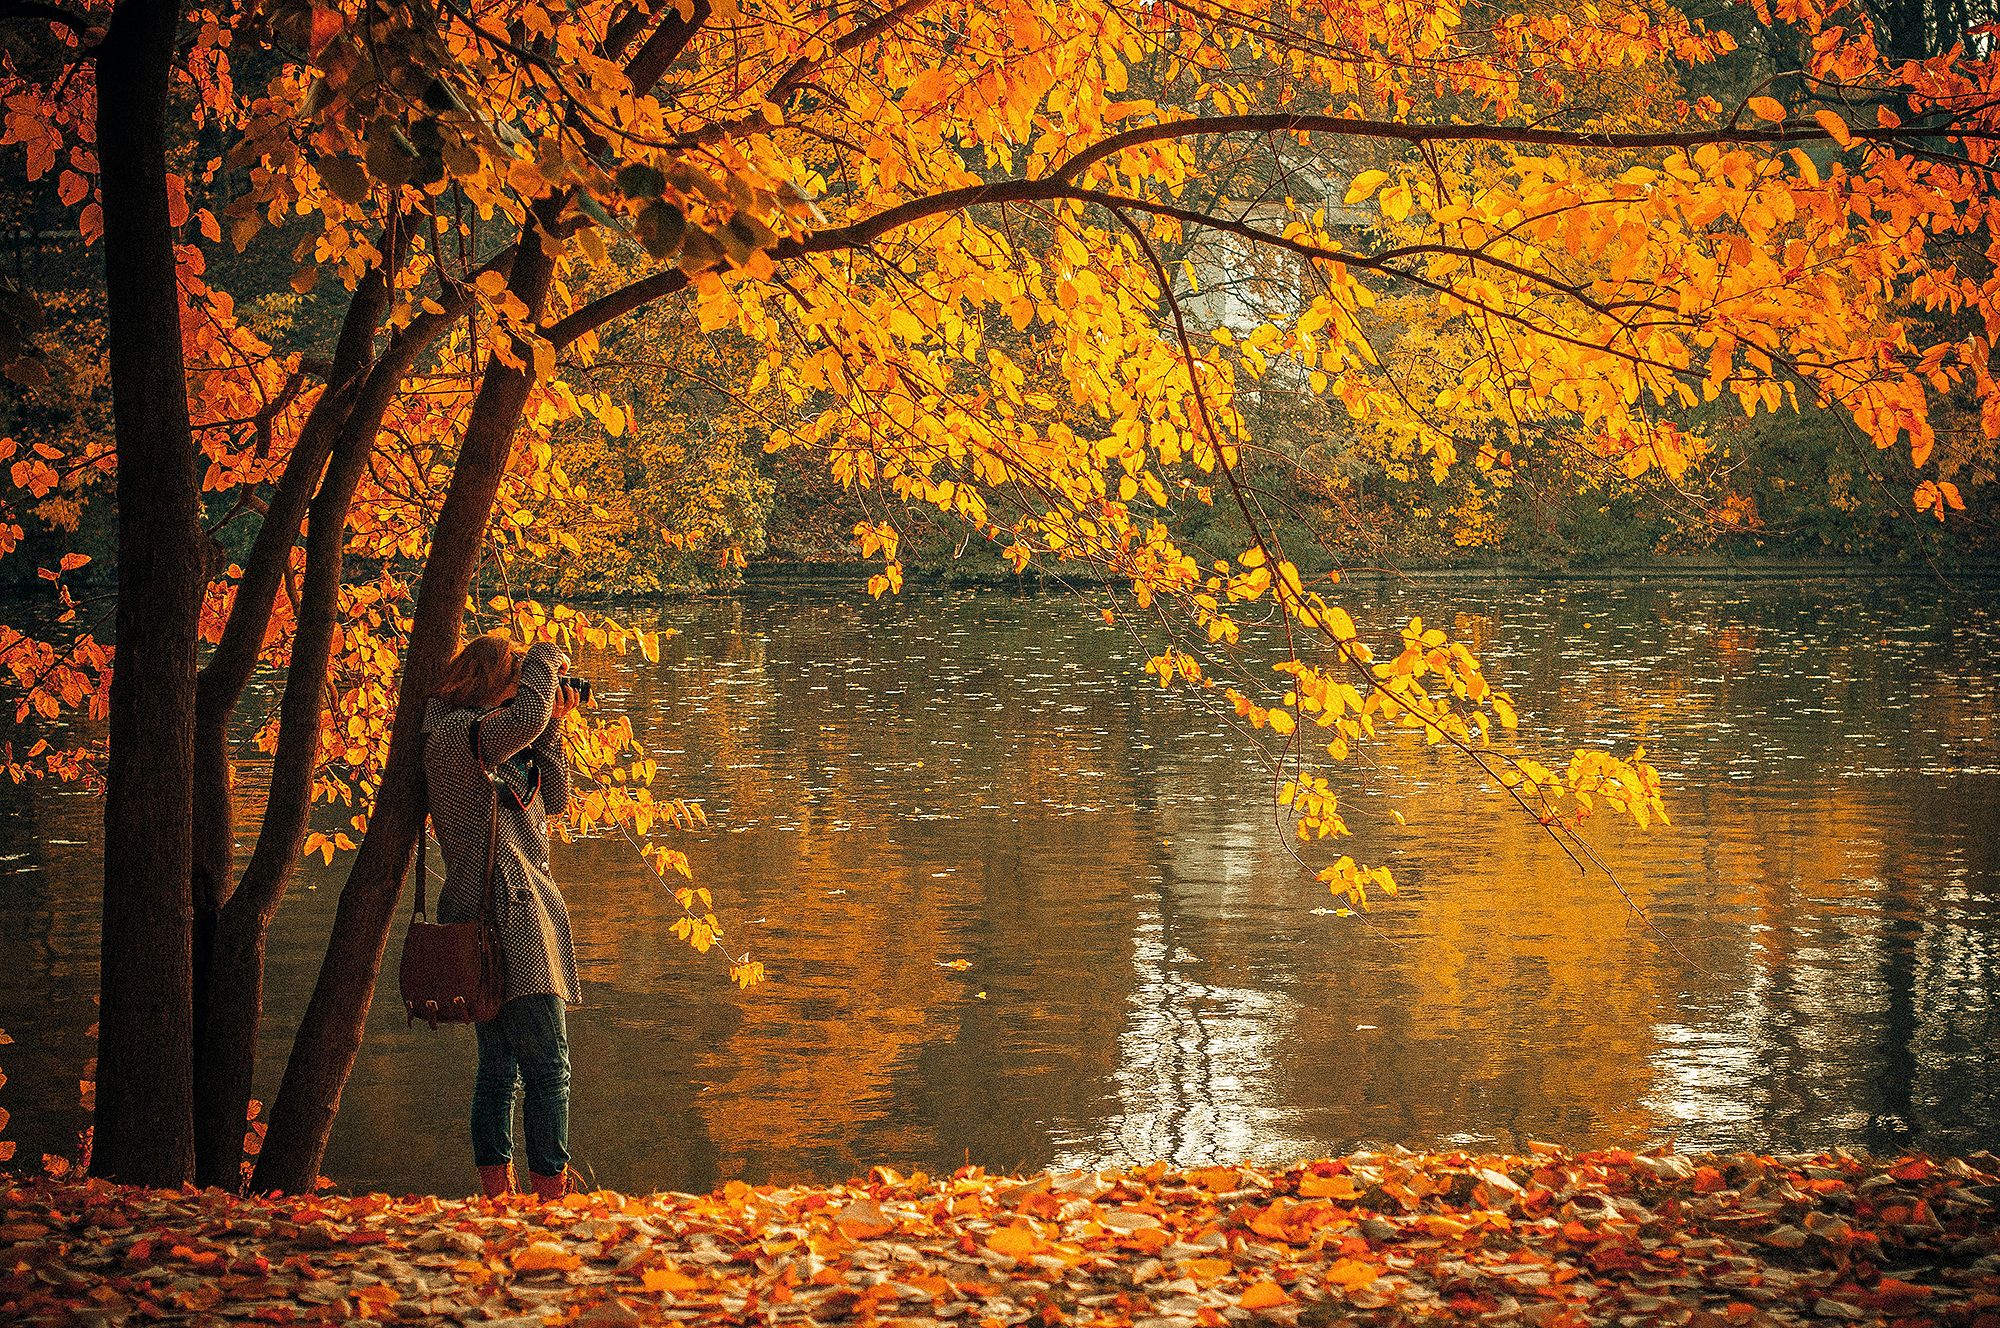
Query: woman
497,709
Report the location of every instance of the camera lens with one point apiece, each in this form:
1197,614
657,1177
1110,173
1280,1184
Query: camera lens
581,686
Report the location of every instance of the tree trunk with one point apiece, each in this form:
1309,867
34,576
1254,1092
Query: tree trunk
233,921
144,1126
218,687
329,1036
227,1055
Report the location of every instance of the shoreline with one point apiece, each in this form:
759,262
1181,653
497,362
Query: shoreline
766,577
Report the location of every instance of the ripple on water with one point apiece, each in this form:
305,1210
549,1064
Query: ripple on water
1148,971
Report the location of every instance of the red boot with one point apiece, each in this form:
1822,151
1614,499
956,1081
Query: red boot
550,1187
496,1181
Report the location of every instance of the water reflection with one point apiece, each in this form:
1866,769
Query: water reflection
984,778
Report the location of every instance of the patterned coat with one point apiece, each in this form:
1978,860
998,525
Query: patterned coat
520,739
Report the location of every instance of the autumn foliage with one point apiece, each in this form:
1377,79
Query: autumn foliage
954,252
1547,1238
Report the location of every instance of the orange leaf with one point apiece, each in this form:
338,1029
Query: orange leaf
544,1256
1270,1222
1328,1187
1218,1180
1016,1242
863,1219
326,25
667,1278
376,1296
1264,1296
1835,127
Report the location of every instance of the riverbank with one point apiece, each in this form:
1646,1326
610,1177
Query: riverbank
988,573
1549,1239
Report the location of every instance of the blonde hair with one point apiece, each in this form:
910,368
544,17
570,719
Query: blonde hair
480,673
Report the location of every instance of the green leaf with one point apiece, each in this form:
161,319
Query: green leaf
752,231
345,177
391,156
661,228
598,213
638,180
699,252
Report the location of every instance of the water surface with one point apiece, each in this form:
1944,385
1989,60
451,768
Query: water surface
1808,956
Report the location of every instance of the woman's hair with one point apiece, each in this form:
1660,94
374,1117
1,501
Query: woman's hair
480,673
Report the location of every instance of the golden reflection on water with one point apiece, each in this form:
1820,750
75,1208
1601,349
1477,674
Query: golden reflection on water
1807,957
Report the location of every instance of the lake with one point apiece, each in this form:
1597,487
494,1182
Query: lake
1021,908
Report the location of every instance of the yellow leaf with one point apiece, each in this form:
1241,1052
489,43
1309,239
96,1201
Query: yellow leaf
1364,185
1768,108
1264,1296
1835,127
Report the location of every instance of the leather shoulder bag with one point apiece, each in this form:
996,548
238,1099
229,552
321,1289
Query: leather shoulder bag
455,972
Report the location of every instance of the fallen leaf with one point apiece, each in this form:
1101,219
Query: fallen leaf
1016,1242
1328,1187
863,1220
543,1256
665,1277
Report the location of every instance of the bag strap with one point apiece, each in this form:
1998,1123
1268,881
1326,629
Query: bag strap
486,878
488,882
420,913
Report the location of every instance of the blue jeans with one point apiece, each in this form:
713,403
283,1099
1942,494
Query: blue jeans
526,1042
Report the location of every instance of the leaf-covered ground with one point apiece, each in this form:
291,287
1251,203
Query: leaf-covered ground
1546,1239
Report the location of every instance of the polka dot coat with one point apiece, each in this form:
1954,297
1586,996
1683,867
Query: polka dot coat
520,742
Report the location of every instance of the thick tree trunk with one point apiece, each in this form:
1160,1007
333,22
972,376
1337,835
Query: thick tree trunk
329,1036
144,1127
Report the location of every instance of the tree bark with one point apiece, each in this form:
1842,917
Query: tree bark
144,1124
329,1036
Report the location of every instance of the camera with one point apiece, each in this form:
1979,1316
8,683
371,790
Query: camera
580,687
